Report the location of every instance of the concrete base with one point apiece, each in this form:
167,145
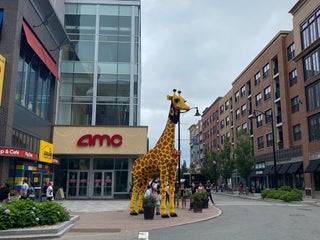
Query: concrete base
39,232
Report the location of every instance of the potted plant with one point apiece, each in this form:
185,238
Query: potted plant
197,200
148,204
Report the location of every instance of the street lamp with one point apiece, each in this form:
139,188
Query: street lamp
197,114
215,175
273,145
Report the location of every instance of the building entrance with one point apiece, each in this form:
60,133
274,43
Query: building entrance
78,183
102,184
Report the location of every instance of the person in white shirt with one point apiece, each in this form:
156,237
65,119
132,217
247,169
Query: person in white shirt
50,192
24,189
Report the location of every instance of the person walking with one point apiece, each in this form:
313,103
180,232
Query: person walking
44,191
209,188
24,189
50,192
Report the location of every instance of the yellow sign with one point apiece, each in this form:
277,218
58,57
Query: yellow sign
2,66
45,151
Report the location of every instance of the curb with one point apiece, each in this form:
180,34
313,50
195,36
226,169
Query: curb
39,232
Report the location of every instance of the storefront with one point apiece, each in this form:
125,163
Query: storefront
95,161
34,167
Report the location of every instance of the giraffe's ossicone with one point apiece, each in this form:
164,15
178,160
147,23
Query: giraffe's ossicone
162,159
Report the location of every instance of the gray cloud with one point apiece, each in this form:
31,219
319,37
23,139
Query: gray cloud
200,47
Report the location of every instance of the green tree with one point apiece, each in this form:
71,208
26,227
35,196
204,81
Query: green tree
184,168
207,169
244,159
192,168
226,162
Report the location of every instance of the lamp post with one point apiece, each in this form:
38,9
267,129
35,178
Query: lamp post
273,145
215,174
197,114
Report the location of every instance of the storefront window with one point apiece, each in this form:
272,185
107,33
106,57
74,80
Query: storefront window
121,181
82,163
103,163
121,163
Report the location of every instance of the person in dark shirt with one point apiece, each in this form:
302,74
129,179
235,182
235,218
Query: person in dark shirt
4,192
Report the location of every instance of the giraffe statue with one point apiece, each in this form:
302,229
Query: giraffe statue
162,159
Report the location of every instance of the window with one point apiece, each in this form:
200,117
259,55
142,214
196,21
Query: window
291,52
260,143
243,109
310,29
257,78
266,70
314,127
237,96
222,124
259,120
270,141
226,105
221,109
311,65
227,121
293,77
297,132
295,104
268,115
258,99
267,93
35,84
244,127
243,91
313,96
238,113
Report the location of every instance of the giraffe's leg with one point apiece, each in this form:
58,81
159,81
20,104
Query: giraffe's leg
163,188
143,189
171,200
133,200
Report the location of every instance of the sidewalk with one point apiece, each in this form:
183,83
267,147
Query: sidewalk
106,219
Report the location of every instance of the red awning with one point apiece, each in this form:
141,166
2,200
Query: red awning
40,50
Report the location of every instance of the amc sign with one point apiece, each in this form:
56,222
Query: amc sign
91,140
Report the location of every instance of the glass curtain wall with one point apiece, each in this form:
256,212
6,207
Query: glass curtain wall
100,67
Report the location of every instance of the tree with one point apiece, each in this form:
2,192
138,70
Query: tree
226,162
184,168
245,161
207,164
192,168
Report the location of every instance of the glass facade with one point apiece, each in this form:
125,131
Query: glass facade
100,67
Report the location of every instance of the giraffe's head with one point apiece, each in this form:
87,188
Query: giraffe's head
178,103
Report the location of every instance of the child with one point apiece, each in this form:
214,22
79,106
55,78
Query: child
156,195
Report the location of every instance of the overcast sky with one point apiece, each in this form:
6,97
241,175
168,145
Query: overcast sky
200,47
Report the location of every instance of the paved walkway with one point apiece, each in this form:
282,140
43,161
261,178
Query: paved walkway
110,219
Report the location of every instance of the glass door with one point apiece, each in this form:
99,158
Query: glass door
102,184
78,184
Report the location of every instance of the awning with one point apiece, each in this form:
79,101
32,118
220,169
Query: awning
294,167
40,50
284,168
268,170
313,166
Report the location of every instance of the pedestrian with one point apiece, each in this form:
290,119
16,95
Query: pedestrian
156,195
209,188
176,194
5,192
44,191
31,192
50,192
148,191
183,193
24,189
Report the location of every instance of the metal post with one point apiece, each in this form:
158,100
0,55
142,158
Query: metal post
215,175
274,154
179,163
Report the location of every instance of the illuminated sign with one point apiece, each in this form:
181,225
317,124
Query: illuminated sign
90,140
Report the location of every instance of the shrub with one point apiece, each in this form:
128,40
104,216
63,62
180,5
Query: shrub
27,213
285,193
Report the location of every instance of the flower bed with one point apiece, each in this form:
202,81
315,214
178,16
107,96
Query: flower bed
27,213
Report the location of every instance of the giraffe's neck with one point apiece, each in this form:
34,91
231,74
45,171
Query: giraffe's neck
168,136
